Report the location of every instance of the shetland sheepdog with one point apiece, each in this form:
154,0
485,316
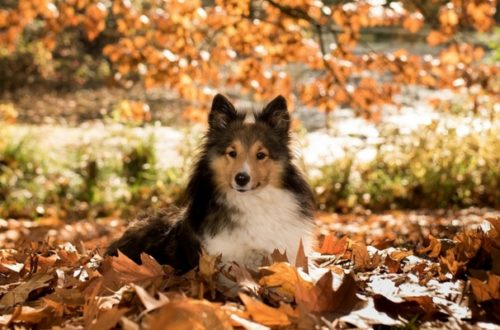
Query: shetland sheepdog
246,198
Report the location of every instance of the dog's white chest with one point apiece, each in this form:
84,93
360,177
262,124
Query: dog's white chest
269,218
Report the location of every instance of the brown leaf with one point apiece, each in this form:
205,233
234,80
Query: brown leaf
68,297
283,279
44,315
127,324
494,285
480,290
188,314
277,256
130,271
20,294
493,233
433,249
107,319
468,243
264,314
400,255
121,270
321,297
393,266
360,255
411,306
207,265
332,245
425,303
486,291
301,260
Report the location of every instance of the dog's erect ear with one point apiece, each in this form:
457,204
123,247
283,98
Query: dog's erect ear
276,115
222,112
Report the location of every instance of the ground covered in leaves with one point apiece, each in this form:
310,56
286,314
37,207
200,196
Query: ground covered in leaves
398,269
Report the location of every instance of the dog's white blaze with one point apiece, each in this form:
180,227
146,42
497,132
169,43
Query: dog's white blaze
269,218
246,168
249,117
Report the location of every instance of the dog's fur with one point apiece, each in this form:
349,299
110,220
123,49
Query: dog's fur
246,197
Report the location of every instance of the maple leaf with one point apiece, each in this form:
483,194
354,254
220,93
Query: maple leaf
264,314
121,270
277,256
332,245
283,279
20,294
320,297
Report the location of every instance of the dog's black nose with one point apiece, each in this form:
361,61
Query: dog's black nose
242,179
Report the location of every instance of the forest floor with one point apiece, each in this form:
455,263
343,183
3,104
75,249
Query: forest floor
402,269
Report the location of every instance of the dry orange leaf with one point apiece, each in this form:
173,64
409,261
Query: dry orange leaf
283,280
188,314
332,245
264,314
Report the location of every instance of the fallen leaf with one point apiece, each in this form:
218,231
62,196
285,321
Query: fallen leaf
283,279
128,324
277,256
408,308
400,255
188,314
332,245
393,266
360,255
450,263
486,291
67,297
301,259
20,293
320,297
149,302
121,270
207,265
264,314
433,249
368,315
43,315
107,319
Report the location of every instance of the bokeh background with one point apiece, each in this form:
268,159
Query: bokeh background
102,103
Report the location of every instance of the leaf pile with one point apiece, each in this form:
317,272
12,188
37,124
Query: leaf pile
395,269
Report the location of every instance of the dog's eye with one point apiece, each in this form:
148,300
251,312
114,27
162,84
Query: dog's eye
232,154
261,155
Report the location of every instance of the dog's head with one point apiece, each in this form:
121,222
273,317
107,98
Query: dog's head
246,156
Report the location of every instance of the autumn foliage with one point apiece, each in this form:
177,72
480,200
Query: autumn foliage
400,277
263,47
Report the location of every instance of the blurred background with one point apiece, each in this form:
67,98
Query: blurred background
103,102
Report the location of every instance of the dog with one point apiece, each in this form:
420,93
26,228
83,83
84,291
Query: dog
246,198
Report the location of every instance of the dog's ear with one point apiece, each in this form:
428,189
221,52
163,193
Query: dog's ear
276,115
222,112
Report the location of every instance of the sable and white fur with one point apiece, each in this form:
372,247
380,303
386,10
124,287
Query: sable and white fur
245,196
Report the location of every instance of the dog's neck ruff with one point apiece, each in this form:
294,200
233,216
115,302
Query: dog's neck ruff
264,219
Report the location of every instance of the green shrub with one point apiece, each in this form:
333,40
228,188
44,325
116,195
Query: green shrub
428,169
